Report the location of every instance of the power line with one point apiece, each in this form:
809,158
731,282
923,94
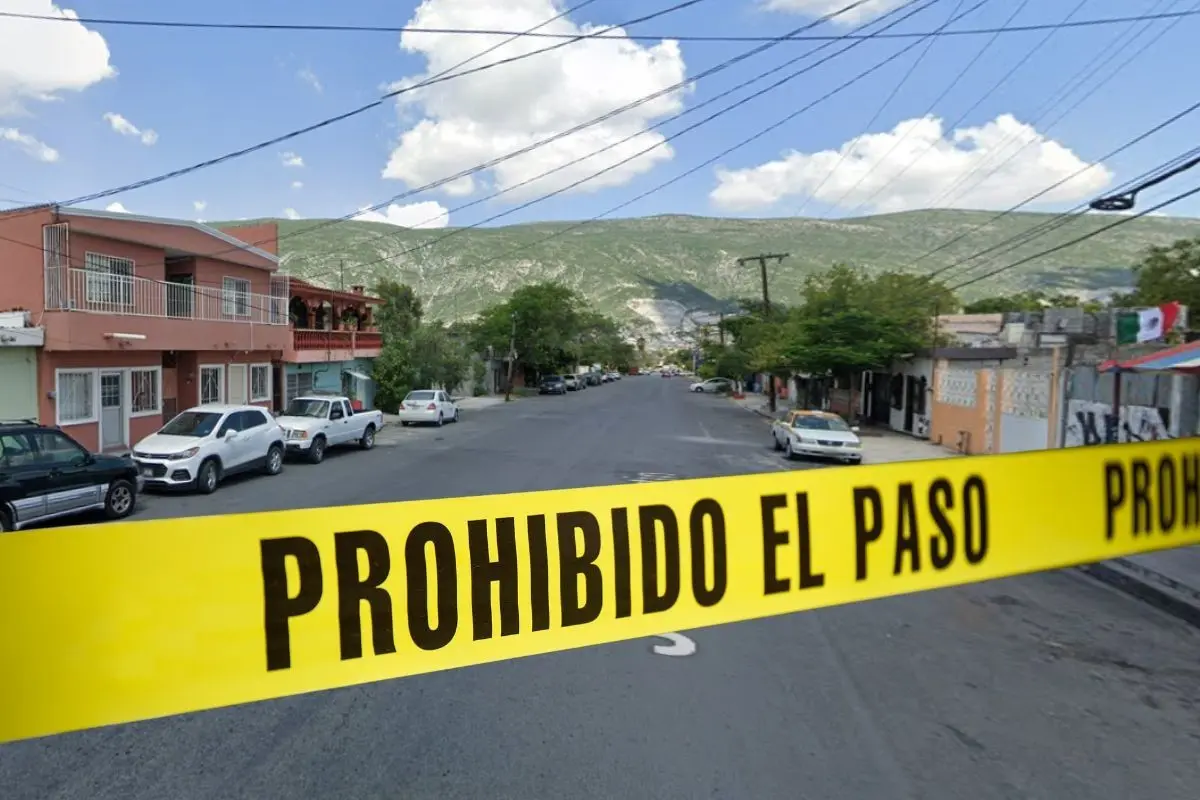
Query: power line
961,117
1104,58
707,162
1046,227
665,141
726,64
880,109
248,26
442,77
1123,220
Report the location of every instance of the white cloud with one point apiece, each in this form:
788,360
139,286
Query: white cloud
310,77
474,119
429,214
199,205
291,160
820,8
40,59
938,162
297,184
126,128
291,213
116,208
31,145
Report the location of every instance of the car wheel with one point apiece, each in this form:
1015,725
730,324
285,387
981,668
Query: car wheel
6,525
404,423
439,420
787,450
316,451
208,477
775,443
698,390
457,414
368,438
120,500
274,464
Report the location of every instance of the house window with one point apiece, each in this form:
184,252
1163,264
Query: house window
298,385
260,382
146,386
109,280
235,297
75,394
212,384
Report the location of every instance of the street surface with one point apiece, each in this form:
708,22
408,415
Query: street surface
1049,686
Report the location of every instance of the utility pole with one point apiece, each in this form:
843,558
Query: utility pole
721,328
512,357
762,260
342,275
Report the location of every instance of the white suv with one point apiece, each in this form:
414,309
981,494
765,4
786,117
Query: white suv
202,445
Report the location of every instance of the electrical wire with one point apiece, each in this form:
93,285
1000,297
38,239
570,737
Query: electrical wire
961,117
908,73
1122,221
592,176
719,67
1102,59
248,26
436,79
707,162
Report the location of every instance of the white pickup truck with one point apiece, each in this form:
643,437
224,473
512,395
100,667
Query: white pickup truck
314,423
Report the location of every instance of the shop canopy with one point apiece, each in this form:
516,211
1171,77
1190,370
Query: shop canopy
1182,358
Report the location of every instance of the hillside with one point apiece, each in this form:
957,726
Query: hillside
649,271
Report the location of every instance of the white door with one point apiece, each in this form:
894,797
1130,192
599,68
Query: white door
447,405
112,410
239,384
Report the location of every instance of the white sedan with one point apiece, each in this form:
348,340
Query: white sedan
816,433
712,385
432,406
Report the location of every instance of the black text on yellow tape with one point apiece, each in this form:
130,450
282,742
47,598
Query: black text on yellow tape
114,623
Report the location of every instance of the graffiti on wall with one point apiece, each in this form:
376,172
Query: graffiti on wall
1090,423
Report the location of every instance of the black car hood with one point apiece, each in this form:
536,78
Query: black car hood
112,462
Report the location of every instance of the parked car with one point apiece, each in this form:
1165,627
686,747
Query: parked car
204,445
614,376
816,433
712,385
592,378
314,423
572,383
552,384
45,475
428,406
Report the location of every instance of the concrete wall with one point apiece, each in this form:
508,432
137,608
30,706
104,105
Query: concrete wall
1153,406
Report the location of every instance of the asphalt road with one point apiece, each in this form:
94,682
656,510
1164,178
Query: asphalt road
1050,686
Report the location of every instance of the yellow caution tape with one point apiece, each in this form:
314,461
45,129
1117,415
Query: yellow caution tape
115,623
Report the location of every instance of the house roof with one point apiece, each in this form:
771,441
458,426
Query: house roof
154,231
1181,358
297,286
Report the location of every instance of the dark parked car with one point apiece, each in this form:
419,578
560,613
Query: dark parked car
553,384
45,475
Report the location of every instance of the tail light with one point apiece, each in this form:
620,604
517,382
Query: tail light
431,407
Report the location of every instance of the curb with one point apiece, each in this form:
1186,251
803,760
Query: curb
1165,594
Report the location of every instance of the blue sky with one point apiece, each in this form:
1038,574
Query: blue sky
206,92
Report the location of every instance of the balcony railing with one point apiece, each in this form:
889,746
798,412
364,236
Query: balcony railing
98,292
336,340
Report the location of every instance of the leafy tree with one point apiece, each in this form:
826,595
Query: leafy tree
1033,300
1167,274
545,320
394,375
401,312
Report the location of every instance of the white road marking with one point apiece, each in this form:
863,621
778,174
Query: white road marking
707,435
680,645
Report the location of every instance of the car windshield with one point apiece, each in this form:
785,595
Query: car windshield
419,396
814,423
307,407
552,379
192,423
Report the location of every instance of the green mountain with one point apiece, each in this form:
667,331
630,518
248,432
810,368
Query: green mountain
650,272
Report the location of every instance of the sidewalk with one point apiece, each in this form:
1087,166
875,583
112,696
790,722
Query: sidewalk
1169,579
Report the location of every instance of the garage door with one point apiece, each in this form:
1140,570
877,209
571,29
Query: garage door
18,383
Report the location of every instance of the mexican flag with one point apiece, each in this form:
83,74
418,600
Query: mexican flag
1146,325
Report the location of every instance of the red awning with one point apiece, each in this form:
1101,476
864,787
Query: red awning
1181,358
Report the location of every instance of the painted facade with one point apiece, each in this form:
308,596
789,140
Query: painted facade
138,317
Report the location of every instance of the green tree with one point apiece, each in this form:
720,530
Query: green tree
1168,274
401,312
394,375
545,320
1033,300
